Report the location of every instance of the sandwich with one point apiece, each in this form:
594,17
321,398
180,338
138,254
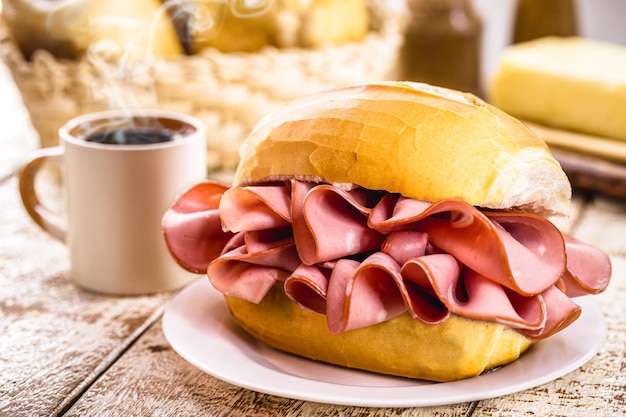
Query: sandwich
393,227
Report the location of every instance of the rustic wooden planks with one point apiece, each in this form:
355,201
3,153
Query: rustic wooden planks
55,338
162,383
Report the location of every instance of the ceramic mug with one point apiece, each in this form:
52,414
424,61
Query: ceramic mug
120,171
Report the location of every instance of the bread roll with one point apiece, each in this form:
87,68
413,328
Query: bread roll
570,83
458,348
235,26
328,22
68,28
423,142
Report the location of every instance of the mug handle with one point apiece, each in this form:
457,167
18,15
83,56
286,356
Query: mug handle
42,215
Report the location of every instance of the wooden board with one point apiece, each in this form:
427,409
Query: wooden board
592,163
605,148
593,174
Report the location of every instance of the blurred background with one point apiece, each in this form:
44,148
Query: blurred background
597,19
230,62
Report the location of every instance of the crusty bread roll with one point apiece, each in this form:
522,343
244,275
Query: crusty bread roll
328,22
234,26
570,83
68,28
458,348
423,142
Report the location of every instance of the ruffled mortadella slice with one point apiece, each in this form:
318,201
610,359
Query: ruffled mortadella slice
362,294
561,311
522,252
192,227
588,268
430,288
330,223
256,208
307,286
363,257
250,270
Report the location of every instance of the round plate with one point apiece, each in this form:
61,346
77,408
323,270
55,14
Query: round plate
199,327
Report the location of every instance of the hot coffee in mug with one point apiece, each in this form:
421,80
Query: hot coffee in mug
131,137
121,170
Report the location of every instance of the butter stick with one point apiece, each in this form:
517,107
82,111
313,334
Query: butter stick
570,83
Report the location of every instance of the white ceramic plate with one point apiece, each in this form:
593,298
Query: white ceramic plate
199,327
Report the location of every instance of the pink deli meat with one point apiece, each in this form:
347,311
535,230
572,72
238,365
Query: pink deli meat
362,257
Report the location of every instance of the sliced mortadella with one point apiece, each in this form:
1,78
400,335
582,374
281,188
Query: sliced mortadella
249,276
362,257
535,250
262,240
299,191
405,244
588,268
394,213
330,223
256,208
363,294
469,294
307,286
527,256
192,227
561,311
430,288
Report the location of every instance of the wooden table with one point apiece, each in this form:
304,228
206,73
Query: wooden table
64,351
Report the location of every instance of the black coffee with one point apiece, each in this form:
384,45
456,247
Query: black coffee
131,137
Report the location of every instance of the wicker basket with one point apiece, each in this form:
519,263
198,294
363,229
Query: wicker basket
229,92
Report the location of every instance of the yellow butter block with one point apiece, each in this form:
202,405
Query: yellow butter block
570,83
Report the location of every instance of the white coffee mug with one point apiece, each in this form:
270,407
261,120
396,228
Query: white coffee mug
116,193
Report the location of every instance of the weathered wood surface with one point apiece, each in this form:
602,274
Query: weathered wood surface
54,338
64,351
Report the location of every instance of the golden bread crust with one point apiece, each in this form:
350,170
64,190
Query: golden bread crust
421,141
458,348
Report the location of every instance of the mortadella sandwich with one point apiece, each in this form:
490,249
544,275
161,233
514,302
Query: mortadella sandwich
393,227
